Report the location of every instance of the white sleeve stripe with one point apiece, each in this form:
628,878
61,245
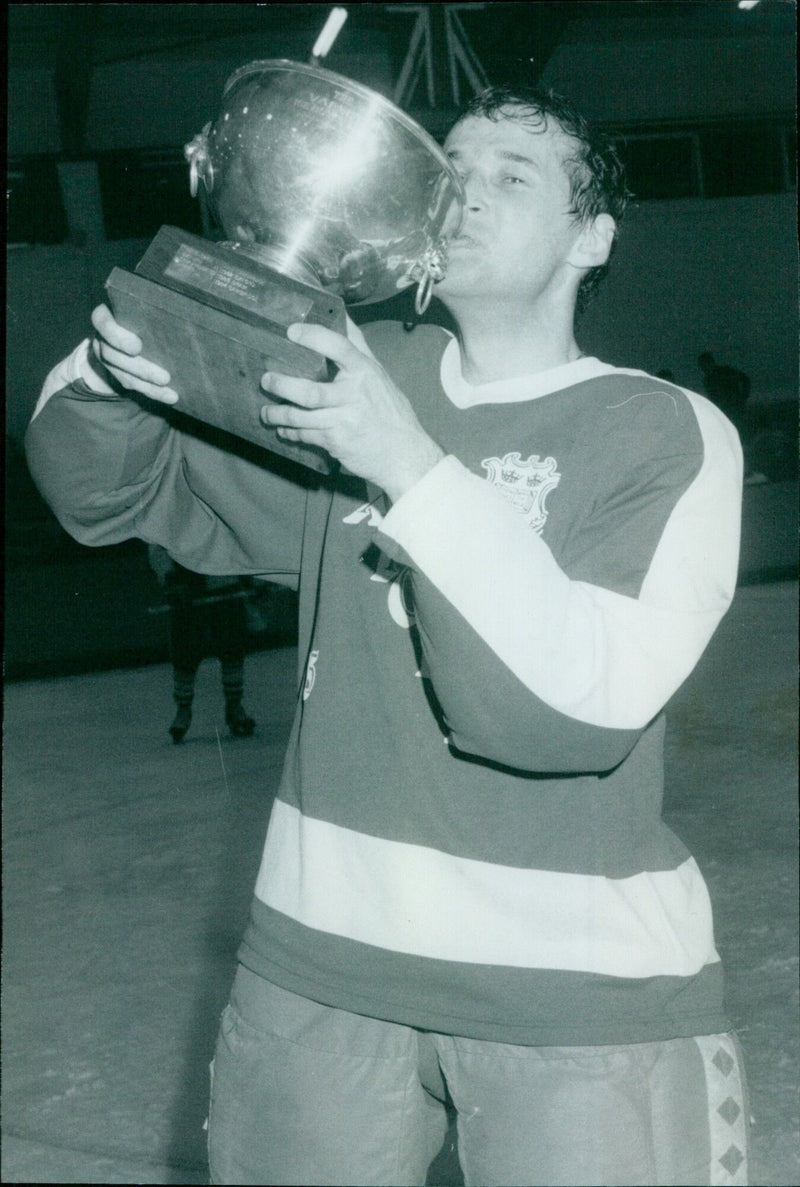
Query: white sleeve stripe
599,657
68,371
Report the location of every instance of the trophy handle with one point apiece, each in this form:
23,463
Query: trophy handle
422,297
196,153
429,269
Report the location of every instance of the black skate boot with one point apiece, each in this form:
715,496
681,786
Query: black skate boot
183,719
240,725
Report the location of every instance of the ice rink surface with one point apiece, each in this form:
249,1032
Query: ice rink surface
129,862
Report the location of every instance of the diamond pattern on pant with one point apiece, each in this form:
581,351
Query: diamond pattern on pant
723,1061
726,1118
729,1110
732,1159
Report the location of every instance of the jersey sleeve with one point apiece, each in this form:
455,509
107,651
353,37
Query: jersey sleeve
113,468
557,664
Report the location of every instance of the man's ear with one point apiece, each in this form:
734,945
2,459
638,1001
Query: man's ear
593,246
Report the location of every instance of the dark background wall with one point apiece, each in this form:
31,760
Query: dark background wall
102,98
700,95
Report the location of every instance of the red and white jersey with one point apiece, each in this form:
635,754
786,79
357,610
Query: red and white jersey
467,836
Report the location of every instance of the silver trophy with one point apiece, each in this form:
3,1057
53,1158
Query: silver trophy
324,193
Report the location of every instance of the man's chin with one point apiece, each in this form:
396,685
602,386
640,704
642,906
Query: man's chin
458,281
456,289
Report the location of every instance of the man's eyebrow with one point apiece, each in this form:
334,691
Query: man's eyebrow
519,158
505,154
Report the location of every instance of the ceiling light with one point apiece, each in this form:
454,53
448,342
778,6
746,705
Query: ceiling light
330,31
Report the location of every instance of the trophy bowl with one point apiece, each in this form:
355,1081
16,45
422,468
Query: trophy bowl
324,193
327,182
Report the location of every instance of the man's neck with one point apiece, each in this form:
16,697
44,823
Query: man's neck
501,343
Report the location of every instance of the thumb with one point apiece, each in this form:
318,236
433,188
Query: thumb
357,338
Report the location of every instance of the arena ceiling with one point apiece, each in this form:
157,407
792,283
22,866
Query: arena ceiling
92,34
513,42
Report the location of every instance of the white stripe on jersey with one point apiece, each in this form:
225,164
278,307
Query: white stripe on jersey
76,366
412,899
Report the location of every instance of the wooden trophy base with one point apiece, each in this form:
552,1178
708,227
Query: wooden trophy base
216,320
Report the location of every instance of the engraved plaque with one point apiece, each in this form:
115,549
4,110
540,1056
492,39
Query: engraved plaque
216,321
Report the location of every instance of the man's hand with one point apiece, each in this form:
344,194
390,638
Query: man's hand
360,417
119,353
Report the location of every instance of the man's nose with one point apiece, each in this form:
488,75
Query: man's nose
453,218
474,192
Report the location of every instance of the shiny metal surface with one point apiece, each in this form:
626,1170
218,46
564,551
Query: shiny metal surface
327,181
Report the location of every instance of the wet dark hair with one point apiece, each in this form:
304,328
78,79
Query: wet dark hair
596,173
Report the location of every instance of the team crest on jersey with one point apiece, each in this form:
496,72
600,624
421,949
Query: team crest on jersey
525,484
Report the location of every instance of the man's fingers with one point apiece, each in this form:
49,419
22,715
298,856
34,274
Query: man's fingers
119,350
113,333
306,436
289,416
305,392
334,346
347,353
163,395
135,366
357,338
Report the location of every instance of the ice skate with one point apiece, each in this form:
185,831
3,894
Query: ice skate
238,722
181,723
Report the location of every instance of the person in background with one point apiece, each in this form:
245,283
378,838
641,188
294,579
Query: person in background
207,617
728,387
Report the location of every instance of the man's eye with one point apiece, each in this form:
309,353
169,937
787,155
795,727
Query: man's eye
511,179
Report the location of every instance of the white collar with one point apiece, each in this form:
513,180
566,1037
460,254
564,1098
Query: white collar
521,387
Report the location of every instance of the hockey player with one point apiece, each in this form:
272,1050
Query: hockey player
467,886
